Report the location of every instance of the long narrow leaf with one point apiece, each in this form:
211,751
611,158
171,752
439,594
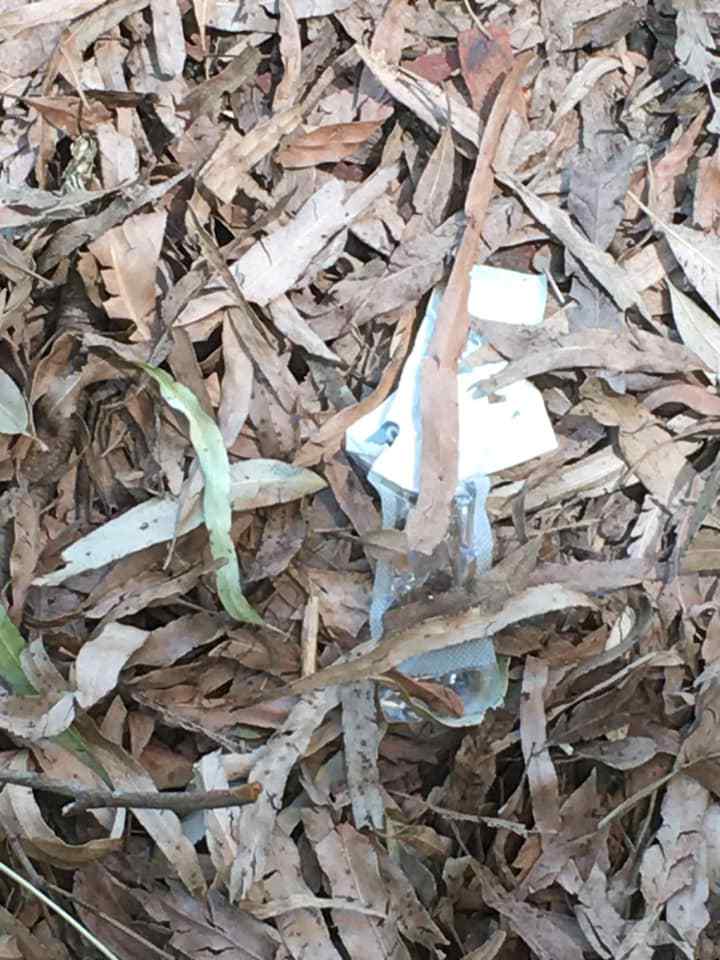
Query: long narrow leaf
208,443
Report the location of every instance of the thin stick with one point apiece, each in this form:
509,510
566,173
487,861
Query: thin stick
180,802
83,931
309,640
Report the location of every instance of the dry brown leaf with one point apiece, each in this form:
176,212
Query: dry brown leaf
706,202
623,754
66,114
236,386
581,84
429,102
219,824
28,541
292,325
291,54
78,37
648,450
38,14
168,35
303,928
37,717
484,58
345,210
673,870
671,166
211,926
343,598
129,256
437,632
435,184
100,661
350,865
326,144
428,519
329,437
610,275
415,265
595,348
225,171
541,774
697,329
546,937
272,769
388,39
272,266
699,255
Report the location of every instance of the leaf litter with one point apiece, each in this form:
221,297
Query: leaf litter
219,227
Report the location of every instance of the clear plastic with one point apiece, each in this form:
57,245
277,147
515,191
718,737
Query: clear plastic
470,669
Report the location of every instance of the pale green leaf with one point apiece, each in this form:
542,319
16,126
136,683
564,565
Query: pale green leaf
208,443
12,645
13,409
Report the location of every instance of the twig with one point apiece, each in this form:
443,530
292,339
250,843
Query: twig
309,638
180,802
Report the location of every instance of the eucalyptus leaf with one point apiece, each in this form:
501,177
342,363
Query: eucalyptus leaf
253,484
209,446
699,331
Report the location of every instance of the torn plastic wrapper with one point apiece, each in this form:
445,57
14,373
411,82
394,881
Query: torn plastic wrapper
492,436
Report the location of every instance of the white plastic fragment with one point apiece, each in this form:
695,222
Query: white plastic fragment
492,435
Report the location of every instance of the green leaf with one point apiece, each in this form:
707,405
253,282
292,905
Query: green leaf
13,409
207,440
12,645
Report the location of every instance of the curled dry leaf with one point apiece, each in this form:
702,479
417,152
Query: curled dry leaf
485,619
129,256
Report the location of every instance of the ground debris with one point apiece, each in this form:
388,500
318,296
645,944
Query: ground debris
219,227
